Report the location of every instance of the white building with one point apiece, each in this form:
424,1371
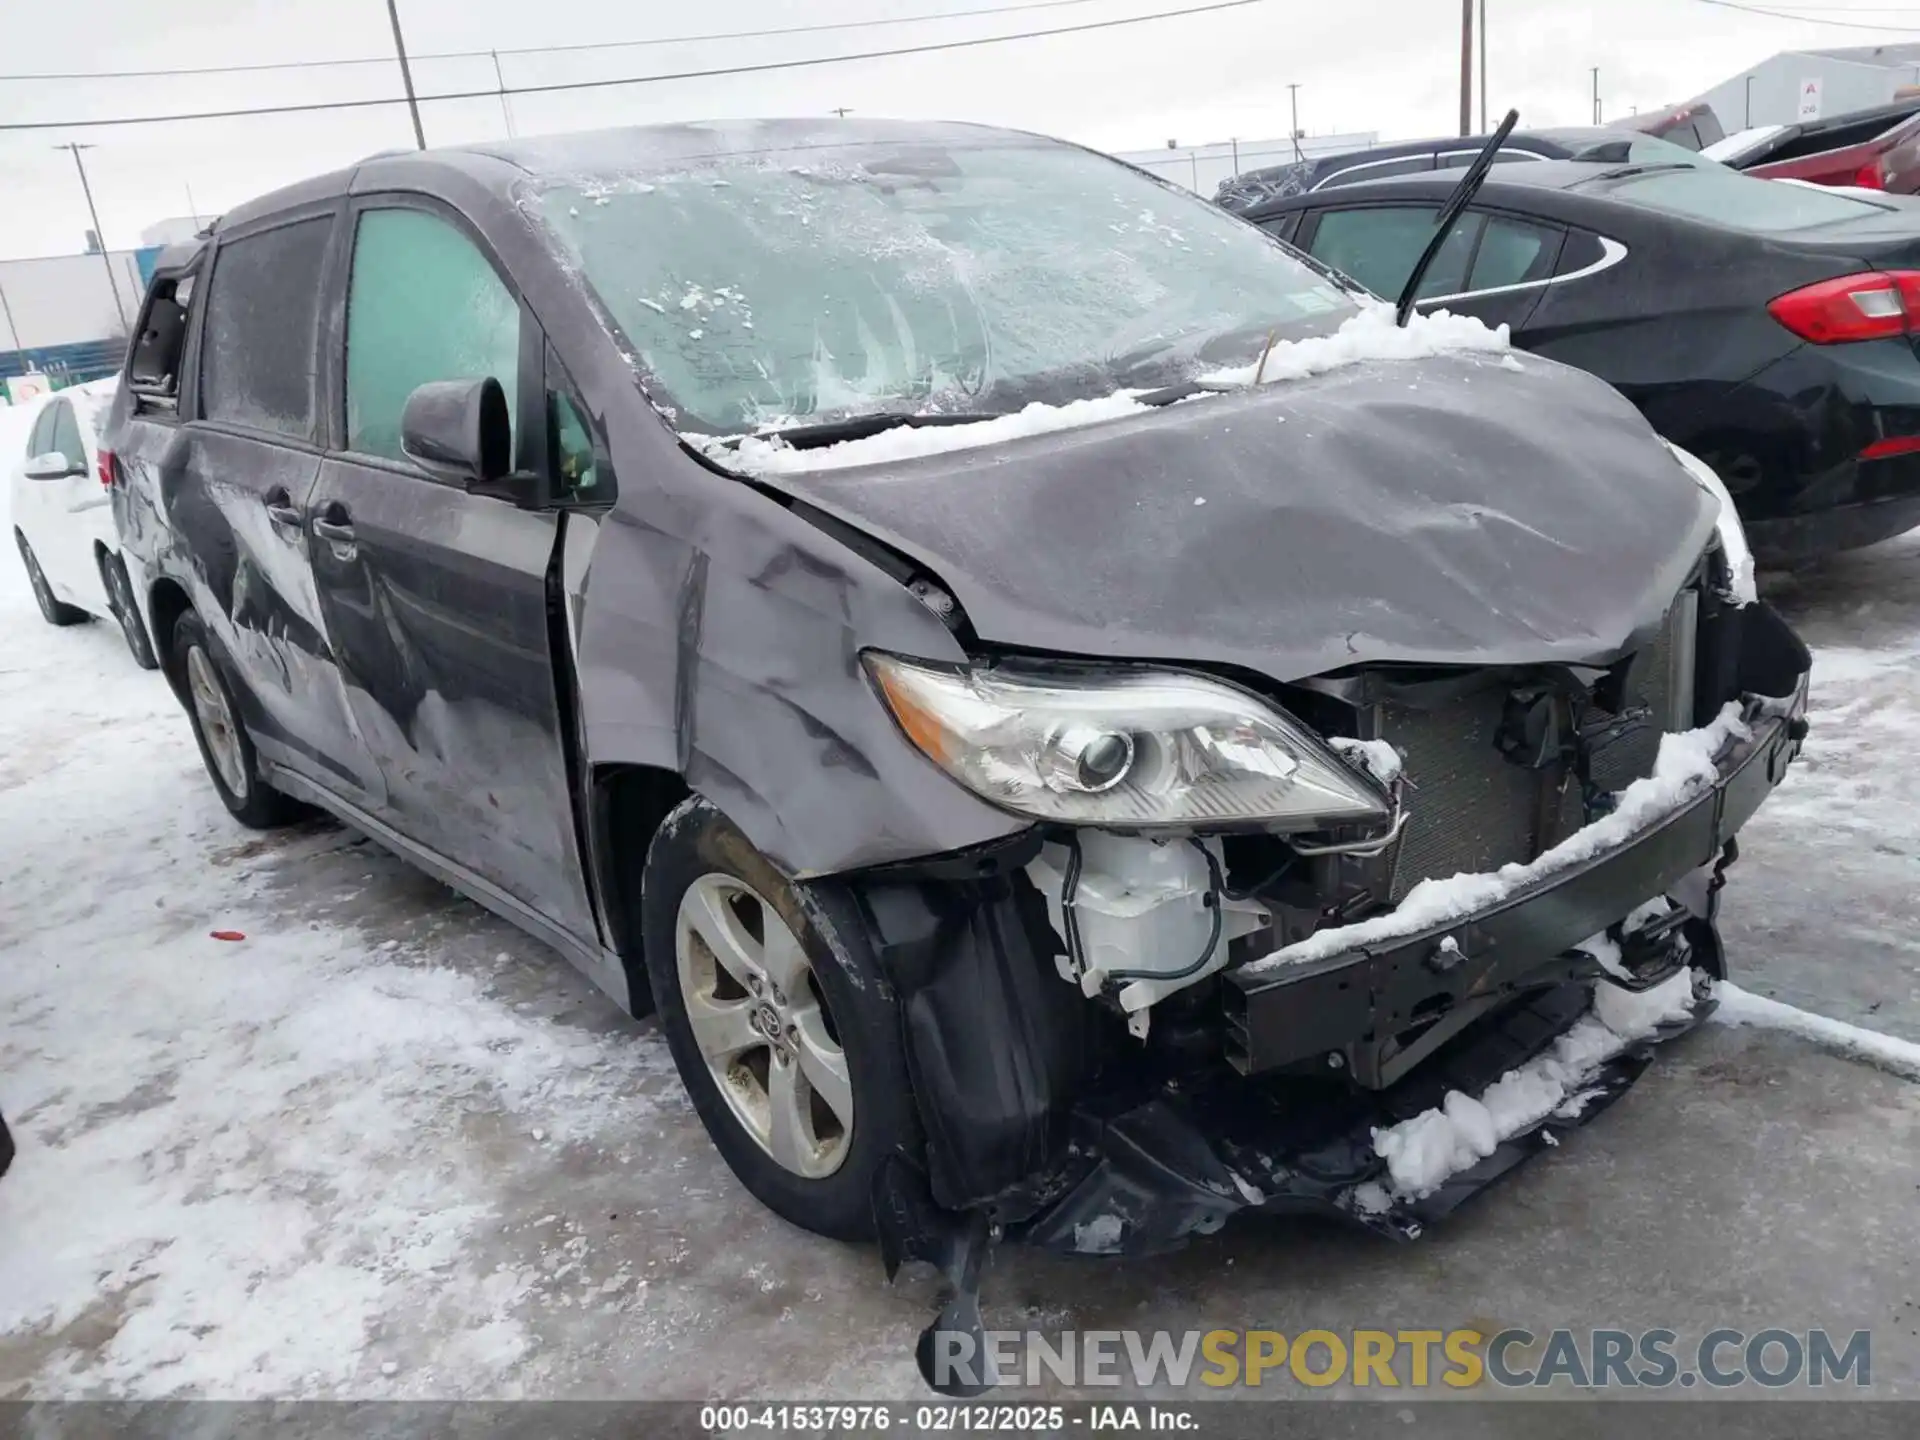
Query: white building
1812,84
1201,168
59,314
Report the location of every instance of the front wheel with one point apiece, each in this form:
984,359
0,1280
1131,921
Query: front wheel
225,746
53,611
789,1047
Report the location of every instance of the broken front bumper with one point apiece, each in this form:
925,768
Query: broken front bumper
1161,1166
1349,1011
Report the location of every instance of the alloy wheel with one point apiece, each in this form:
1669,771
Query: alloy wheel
217,724
762,1025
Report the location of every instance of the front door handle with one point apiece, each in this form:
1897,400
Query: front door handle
282,511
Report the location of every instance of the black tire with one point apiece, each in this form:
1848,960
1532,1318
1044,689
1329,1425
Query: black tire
697,841
113,576
54,612
253,802
6,1146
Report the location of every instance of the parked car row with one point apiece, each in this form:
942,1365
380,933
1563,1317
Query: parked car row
1011,661
1768,328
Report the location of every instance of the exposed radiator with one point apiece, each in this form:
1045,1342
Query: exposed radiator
1473,810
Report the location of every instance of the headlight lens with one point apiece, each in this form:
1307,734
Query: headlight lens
1122,747
1733,535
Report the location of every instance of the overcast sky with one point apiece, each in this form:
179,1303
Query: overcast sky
1385,65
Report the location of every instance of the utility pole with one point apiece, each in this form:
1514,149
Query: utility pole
1748,121
192,209
1293,99
1466,67
501,81
99,234
406,74
12,328
1596,94
1483,67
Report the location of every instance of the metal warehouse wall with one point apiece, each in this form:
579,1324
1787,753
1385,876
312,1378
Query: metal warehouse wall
63,305
1844,85
1201,168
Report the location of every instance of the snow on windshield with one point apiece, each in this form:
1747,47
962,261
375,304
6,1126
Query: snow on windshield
775,288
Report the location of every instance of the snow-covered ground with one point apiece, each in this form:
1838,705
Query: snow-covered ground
386,1146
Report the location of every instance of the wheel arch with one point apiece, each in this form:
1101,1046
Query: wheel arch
629,802
167,601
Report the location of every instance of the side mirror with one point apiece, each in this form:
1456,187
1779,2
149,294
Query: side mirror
52,466
459,430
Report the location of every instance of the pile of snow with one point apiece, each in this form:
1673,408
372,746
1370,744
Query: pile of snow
1368,335
1684,768
1422,1153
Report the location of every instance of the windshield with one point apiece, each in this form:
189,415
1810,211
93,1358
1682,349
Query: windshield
1740,202
772,289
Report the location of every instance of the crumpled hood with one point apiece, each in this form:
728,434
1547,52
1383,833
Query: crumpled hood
1444,511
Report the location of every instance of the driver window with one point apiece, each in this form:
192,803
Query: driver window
423,304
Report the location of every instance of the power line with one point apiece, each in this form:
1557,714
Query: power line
708,74
555,49
1810,20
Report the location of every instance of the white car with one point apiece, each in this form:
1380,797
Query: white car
63,519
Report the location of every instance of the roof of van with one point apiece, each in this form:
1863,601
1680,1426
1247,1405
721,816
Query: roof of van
633,150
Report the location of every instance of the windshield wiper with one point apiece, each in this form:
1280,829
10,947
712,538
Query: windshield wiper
1461,197
859,427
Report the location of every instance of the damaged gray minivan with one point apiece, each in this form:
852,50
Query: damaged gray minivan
1078,723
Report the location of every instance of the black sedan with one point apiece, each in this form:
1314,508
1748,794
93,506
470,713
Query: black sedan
1766,327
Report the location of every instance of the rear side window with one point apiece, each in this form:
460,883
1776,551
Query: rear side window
1739,202
424,304
1378,247
263,306
153,371
1512,252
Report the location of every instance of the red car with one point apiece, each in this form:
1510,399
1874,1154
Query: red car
1877,149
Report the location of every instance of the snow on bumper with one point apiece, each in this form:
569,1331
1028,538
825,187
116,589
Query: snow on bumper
1473,942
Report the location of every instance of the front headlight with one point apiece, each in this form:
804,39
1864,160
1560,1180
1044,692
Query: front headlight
1124,748
1733,535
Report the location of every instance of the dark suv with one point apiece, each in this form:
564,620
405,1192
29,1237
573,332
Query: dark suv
1418,157
944,617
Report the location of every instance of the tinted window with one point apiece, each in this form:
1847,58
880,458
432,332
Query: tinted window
1460,159
1378,247
1377,170
263,305
1512,252
424,304
66,434
41,440
1740,202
